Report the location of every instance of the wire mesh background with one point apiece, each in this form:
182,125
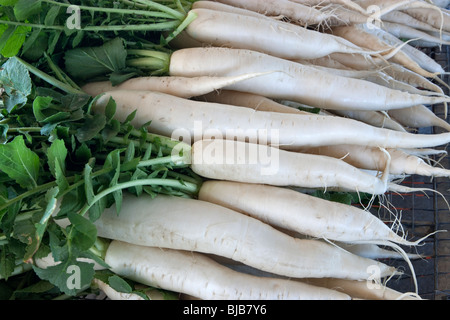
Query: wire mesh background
424,213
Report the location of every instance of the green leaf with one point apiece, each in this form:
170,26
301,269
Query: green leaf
110,110
56,156
35,45
88,188
119,284
12,40
84,232
8,2
92,126
24,230
41,226
26,8
16,82
39,287
53,40
51,15
90,62
113,162
6,32
20,163
7,262
45,113
70,276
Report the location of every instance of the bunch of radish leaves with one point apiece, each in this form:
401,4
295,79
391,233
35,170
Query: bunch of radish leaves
59,160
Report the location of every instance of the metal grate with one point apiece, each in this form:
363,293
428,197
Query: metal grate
424,213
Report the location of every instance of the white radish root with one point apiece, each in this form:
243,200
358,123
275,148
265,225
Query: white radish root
256,163
267,36
419,116
363,290
178,86
292,81
194,120
166,222
370,158
302,213
203,278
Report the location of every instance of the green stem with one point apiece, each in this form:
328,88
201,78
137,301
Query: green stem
48,185
148,63
32,25
24,129
164,56
38,189
159,14
168,143
160,26
21,268
63,77
160,7
162,160
185,186
51,80
191,16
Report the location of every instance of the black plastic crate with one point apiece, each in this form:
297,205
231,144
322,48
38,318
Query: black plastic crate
425,213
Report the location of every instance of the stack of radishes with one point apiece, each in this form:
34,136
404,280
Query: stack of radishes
254,232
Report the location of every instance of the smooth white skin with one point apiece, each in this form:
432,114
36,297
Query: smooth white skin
368,158
249,100
194,225
247,162
299,212
418,116
430,16
196,275
345,3
297,13
178,86
196,120
402,74
402,31
292,81
374,118
277,38
405,19
358,35
421,58
361,290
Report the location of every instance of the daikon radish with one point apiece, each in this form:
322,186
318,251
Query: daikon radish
268,36
249,100
296,12
370,158
422,59
363,290
359,36
292,81
374,118
419,116
439,20
374,251
198,276
194,120
178,86
299,212
407,32
199,226
255,163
